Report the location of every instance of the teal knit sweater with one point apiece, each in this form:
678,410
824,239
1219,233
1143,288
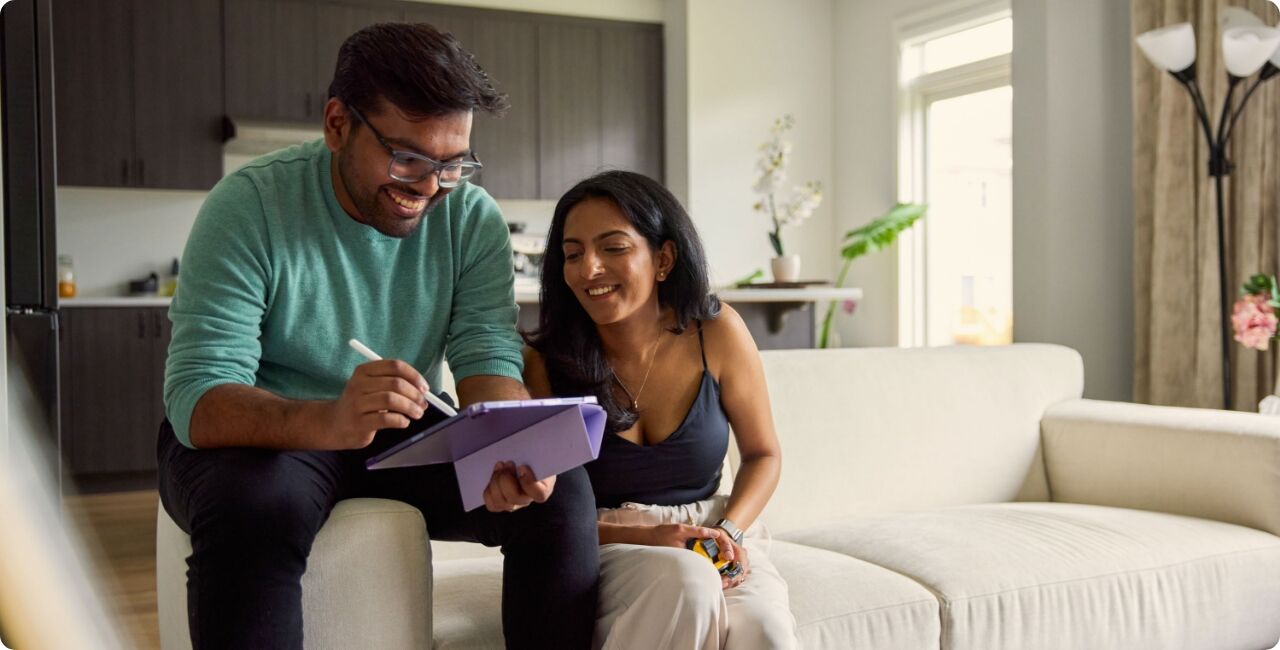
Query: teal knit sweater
276,278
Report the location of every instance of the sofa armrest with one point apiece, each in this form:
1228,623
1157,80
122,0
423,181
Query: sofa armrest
1205,463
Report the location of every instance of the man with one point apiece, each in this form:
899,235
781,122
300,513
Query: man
372,233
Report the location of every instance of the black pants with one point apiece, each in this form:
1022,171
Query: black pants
252,515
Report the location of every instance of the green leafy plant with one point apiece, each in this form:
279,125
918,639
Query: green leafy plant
878,234
748,279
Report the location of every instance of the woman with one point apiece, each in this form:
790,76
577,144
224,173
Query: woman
627,315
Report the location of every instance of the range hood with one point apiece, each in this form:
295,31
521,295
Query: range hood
245,138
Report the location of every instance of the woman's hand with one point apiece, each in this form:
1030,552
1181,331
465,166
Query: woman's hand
740,557
678,535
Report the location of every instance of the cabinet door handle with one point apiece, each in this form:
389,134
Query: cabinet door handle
124,171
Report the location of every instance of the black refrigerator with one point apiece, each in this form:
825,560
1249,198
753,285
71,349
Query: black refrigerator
30,252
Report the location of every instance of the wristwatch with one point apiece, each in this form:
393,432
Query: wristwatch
729,527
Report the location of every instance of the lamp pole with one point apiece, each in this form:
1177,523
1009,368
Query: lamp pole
1219,168
1248,46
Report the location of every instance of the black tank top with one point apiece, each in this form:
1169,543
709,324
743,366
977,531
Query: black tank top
681,469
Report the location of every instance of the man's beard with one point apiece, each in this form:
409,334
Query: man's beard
373,213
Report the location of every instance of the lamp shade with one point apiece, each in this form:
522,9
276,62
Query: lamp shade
1239,17
1245,49
1172,48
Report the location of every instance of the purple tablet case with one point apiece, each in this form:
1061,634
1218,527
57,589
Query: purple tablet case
549,435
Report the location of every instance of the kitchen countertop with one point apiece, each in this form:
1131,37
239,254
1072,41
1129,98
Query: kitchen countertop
528,295
115,301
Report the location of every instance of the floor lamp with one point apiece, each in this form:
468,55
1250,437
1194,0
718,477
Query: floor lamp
1248,47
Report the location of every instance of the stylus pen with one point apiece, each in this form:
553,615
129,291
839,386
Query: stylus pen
373,356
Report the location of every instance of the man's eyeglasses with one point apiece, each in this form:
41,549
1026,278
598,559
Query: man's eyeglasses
409,167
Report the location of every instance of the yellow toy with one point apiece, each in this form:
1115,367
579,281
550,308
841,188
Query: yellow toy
709,549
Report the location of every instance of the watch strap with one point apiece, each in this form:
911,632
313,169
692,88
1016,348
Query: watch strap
728,526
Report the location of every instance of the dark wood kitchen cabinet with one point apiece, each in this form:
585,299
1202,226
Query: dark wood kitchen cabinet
281,54
600,101
585,94
143,87
270,60
112,390
138,93
505,49
569,106
334,23
505,44
632,98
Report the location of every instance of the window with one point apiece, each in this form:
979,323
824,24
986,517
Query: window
955,269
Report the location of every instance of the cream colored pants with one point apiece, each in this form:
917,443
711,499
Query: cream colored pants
662,597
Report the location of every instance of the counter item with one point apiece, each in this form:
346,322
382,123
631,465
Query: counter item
145,286
66,277
170,284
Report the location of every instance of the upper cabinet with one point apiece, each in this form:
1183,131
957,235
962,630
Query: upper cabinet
334,23
138,94
505,46
143,86
270,60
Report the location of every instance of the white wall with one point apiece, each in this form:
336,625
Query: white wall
1072,155
749,62
1072,185
114,235
866,152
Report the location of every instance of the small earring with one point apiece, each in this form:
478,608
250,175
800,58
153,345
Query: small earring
662,276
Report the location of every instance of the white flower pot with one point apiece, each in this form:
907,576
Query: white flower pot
786,268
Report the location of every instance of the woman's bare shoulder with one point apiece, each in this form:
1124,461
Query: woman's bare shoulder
727,337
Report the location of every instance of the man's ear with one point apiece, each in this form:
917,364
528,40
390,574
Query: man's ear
337,124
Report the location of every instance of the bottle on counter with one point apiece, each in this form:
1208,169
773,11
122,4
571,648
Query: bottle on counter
66,277
170,285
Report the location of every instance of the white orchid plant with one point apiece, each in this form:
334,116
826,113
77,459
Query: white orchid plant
774,156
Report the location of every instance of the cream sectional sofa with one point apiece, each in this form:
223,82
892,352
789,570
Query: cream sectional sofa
956,498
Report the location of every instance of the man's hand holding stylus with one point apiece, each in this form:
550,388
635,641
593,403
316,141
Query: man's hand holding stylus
385,394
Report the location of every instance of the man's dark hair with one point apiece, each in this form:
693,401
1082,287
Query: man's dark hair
421,70
566,337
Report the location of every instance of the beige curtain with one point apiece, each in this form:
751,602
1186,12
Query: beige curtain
1177,349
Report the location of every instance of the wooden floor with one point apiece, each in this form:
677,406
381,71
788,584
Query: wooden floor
120,535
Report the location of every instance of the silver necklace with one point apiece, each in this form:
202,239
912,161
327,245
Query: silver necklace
635,397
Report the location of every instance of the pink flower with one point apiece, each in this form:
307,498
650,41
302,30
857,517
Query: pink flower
848,306
1254,321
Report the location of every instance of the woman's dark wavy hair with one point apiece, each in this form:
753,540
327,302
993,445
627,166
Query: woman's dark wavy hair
566,336
421,70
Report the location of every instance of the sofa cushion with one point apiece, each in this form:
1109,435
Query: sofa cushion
366,585
466,603
838,602
844,602
890,430
1050,575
